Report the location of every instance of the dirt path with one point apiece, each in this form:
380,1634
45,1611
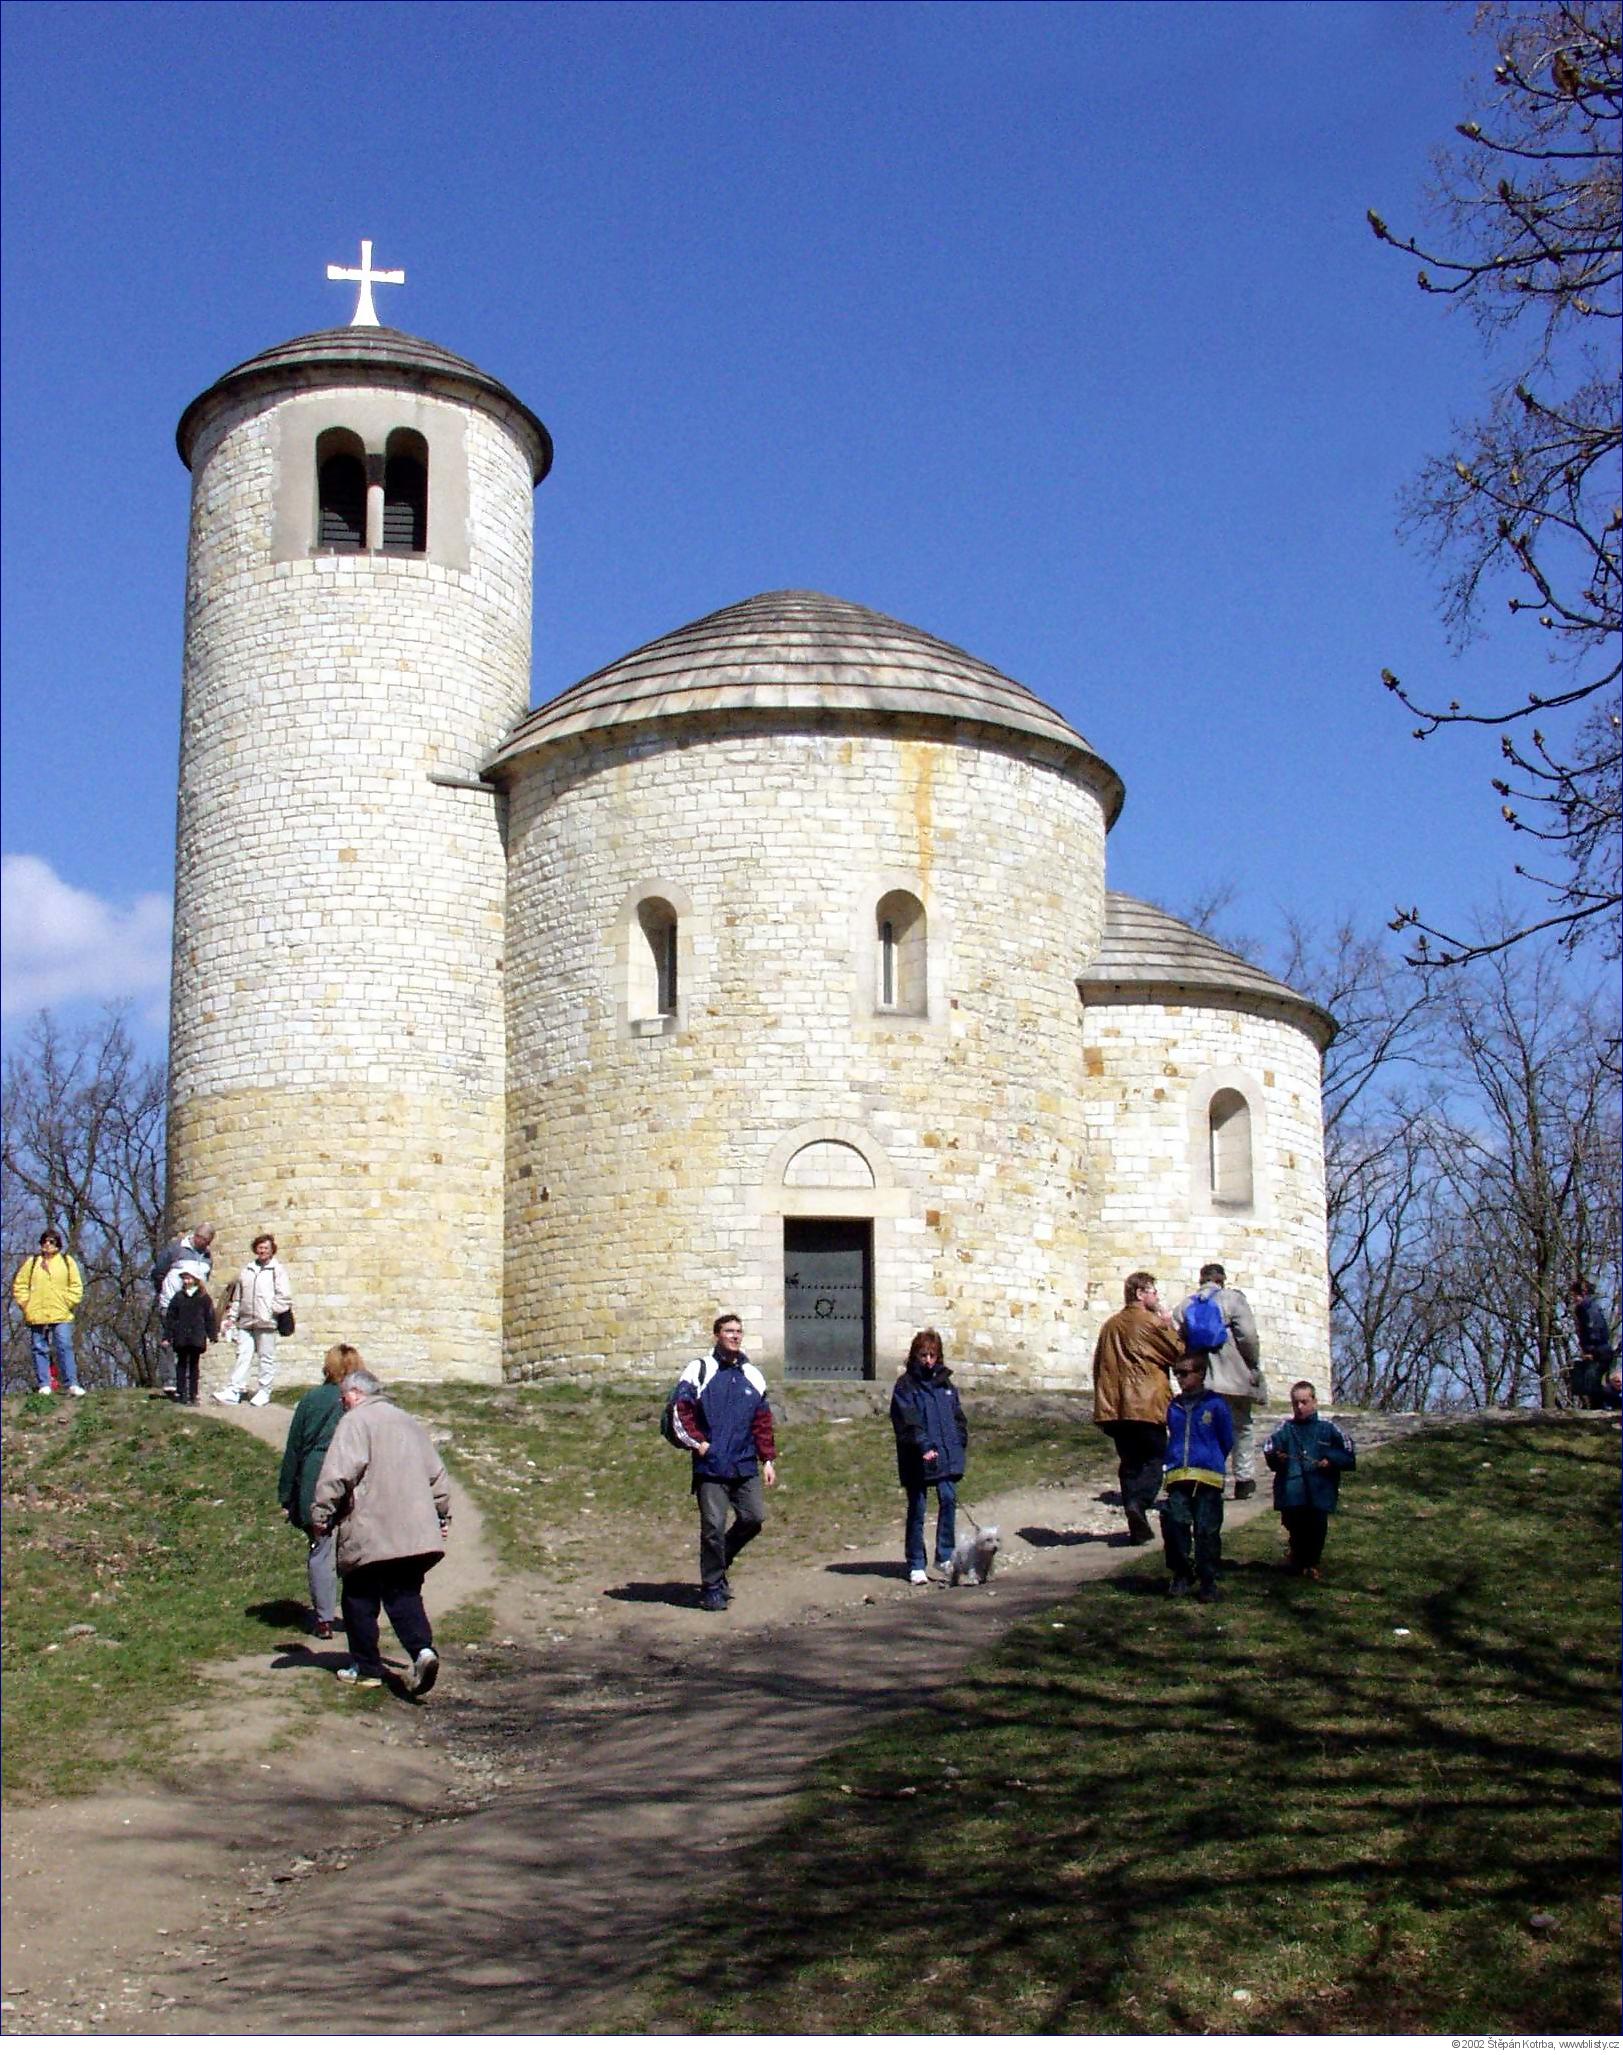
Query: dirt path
509,1854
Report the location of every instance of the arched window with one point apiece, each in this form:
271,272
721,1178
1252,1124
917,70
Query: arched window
1228,1123
900,959
405,493
340,491
653,986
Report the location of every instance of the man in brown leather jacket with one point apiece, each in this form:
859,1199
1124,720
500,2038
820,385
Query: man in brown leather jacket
1132,1389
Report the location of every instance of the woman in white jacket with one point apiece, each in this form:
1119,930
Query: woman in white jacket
259,1304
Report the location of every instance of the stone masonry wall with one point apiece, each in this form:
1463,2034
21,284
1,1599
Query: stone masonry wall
646,1169
1150,1072
336,1049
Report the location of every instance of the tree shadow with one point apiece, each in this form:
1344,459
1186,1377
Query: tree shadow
896,1572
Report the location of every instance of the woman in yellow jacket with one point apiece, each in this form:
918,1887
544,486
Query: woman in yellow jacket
48,1287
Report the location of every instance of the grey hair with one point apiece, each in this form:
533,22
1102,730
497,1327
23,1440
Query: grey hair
361,1381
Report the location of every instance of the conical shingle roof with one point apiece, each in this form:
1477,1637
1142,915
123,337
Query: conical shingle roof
368,356
801,652
1146,954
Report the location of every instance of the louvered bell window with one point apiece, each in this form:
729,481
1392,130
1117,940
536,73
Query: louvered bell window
405,504
342,524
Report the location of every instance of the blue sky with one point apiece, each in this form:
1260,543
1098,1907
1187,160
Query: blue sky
1057,331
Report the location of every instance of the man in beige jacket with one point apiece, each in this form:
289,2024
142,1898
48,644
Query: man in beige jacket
1234,1370
384,1490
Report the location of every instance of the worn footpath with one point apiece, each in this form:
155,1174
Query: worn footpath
508,1854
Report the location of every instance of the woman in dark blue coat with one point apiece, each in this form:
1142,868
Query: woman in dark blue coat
932,1440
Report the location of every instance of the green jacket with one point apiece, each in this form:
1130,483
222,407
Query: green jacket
314,1419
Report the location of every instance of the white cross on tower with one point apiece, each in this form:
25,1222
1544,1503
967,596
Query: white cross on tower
366,315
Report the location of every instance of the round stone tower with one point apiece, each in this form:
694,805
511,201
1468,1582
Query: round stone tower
797,900
357,643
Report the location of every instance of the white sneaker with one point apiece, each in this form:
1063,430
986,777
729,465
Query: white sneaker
918,1577
76,1391
260,1398
423,1672
363,1678
229,1398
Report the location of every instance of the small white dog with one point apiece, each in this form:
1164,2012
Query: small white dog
972,1559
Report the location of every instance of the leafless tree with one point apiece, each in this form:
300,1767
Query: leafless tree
83,1150
1524,504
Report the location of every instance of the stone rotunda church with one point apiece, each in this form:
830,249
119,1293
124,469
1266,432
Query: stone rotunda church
771,967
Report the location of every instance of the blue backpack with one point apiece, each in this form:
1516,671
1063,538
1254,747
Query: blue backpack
1204,1328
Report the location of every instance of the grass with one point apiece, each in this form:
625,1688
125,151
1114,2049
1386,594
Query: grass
1314,1809
571,1479
141,1542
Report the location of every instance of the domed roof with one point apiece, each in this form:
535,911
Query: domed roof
368,356
1147,955
800,652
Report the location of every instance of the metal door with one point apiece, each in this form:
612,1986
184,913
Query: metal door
828,1298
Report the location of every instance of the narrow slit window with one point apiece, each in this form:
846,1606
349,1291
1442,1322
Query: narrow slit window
901,984
655,957
1229,1139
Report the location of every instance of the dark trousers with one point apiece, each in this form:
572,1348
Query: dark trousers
186,1362
397,1587
1192,1532
719,1543
1307,1526
1588,1378
1140,1449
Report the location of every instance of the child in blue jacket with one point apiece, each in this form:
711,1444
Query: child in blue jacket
1200,1437
1307,1455
932,1442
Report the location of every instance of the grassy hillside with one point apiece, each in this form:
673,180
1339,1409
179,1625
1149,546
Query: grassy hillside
1383,1804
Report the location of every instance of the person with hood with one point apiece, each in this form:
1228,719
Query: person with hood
722,1417
189,1325
932,1441
1200,1434
48,1288
1307,1455
315,1420
384,1492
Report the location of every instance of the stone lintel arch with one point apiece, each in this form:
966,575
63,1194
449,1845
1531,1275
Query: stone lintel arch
1224,1088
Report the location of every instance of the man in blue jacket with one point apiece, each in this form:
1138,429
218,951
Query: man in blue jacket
1307,1455
1200,1437
722,1416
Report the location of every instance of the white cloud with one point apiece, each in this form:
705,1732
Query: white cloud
59,944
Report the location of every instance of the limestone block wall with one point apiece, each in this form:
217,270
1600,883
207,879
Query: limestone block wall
652,1164
336,1047
1151,1070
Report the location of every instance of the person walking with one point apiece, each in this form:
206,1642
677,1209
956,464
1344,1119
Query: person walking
48,1288
1135,1350
1200,1434
1233,1370
261,1299
722,1417
1595,1357
383,1491
932,1442
315,1420
1307,1455
189,1325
